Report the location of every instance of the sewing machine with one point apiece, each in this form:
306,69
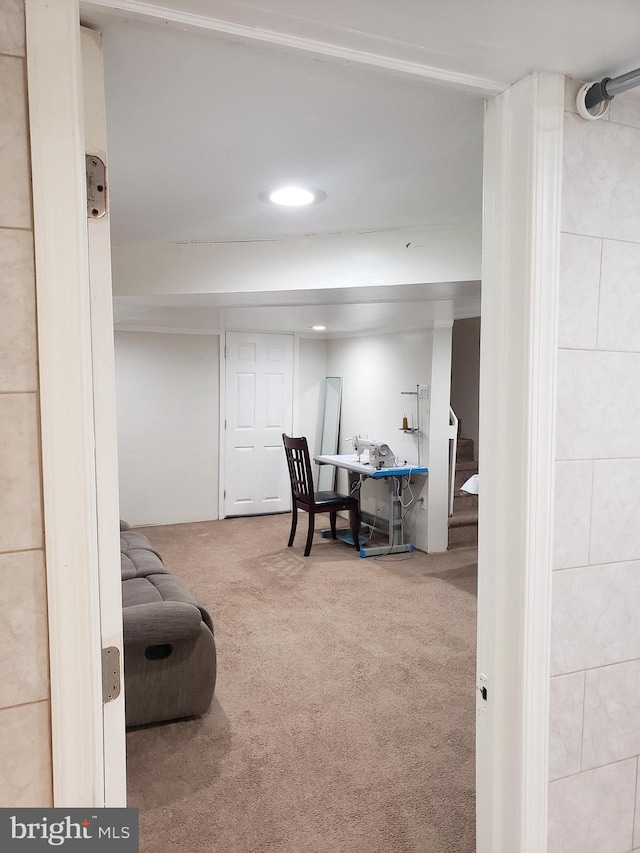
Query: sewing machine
380,455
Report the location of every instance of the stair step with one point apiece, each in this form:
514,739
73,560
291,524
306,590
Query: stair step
466,470
465,449
463,524
463,537
463,502
464,519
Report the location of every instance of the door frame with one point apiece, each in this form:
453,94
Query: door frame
54,77
523,144
105,423
518,350
222,379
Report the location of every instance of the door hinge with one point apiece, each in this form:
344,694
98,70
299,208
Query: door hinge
482,687
225,423
96,187
110,674
225,352
224,494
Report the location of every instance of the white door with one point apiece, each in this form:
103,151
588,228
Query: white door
104,395
258,409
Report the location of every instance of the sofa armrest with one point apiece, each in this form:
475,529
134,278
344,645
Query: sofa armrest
160,622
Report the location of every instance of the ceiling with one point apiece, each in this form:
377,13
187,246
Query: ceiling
204,113
496,40
198,127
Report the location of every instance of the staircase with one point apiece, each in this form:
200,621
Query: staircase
463,524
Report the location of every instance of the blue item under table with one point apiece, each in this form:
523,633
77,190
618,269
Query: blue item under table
356,470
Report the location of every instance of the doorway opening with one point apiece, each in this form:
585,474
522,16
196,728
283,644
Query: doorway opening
386,263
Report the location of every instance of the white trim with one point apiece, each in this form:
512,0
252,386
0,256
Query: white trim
189,20
66,399
167,330
222,446
295,408
522,175
222,413
224,449
105,426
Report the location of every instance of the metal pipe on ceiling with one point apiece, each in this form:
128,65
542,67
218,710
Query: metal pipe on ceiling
609,87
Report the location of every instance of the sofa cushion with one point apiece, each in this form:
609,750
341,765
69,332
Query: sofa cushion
137,556
138,591
161,623
139,564
159,588
134,539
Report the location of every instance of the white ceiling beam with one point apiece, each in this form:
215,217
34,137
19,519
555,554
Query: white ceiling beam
187,20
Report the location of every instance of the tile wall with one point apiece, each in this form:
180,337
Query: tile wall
25,729
594,798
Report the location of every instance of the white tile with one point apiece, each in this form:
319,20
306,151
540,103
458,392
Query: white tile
25,757
572,513
18,348
15,167
565,725
593,811
619,309
579,286
571,88
611,719
598,405
625,109
24,638
601,179
615,531
20,497
595,616
12,27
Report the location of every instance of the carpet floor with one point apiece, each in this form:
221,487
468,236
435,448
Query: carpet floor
343,718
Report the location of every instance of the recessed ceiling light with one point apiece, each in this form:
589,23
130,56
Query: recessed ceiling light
292,196
318,328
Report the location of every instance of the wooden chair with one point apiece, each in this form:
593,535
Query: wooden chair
303,496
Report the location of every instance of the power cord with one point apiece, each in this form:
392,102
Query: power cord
399,558
408,486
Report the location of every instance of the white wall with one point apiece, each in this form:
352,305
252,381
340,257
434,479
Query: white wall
375,370
594,798
168,419
167,400
443,253
437,438
465,376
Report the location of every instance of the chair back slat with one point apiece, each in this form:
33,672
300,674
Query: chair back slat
299,465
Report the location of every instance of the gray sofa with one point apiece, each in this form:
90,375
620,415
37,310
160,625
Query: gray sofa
169,648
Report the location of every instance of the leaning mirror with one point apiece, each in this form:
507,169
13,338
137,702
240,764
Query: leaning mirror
330,431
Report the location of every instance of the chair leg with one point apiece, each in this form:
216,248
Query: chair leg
294,523
332,521
307,549
354,516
